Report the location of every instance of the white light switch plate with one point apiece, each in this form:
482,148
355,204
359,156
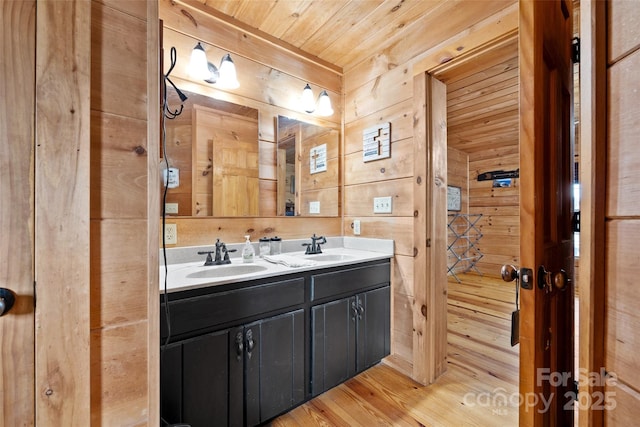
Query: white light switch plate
314,207
171,208
382,204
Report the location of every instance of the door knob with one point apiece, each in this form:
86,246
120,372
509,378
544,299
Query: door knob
7,299
509,273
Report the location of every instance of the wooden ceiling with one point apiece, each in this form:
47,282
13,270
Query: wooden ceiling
482,87
338,32
483,98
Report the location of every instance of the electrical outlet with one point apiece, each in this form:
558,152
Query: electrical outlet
314,207
171,208
356,227
171,234
382,204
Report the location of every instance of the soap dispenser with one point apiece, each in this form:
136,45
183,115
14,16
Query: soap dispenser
248,253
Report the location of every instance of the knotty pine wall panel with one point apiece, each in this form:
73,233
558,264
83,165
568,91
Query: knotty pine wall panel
205,231
500,224
622,347
122,332
378,90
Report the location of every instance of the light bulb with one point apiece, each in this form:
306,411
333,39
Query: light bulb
198,65
228,76
308,103
324,104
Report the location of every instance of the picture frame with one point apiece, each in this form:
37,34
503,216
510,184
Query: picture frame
454,198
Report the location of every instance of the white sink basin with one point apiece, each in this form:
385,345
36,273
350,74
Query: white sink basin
329,257
225,270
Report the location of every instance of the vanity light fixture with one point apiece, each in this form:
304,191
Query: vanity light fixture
201,69
322,107
228,75
308,103
324,104
198,65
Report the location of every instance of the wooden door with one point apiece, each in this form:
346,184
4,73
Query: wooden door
17,105
227,146
546,165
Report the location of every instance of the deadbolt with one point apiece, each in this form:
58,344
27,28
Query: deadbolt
549,280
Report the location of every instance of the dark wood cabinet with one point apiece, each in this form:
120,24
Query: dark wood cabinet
234,377
244,353
194,380
274,373
349,335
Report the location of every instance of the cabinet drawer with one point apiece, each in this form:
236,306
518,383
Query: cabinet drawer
349,281
206,311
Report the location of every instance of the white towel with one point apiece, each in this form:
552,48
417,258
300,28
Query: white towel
289,260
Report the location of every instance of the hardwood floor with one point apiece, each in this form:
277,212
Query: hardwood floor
478,389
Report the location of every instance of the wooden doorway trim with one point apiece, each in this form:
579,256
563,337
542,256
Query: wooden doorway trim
593,155
429,317
430,229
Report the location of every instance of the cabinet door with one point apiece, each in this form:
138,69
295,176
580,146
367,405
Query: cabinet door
211,379
373,326
333,344
171,383
274,359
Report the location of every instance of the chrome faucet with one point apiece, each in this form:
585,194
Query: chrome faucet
221,254
314,247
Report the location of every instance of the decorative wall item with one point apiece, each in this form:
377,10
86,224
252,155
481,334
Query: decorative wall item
488,176
318,159
454,198
376,142
502,183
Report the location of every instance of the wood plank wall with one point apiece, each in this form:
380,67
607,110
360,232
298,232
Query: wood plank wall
17,213
123,213
622,320
271,80
378,90
61,231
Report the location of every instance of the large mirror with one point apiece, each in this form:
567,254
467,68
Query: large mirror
308,179
213,147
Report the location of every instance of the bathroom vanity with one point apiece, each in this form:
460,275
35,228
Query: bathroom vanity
244,348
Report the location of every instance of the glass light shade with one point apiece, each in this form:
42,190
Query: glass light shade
228,76
324,104
308,103
198,65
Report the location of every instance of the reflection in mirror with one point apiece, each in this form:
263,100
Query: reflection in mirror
307,169
214,146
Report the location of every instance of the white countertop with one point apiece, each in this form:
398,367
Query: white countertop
184,275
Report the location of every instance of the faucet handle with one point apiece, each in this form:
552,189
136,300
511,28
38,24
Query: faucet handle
226,251
209,260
